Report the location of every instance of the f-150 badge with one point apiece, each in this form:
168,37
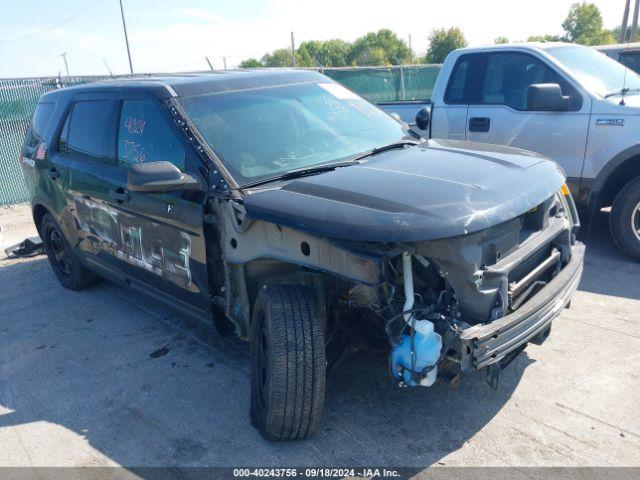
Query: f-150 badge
610,122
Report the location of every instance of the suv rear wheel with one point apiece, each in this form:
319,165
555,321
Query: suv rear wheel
625,219
288,366
65,264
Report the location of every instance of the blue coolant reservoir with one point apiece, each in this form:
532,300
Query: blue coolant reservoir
427,345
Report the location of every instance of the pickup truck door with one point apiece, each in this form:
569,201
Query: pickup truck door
498,112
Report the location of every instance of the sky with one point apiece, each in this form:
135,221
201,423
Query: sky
173,35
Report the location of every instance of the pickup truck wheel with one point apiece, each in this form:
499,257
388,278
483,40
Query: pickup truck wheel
288,366
625,219
65,264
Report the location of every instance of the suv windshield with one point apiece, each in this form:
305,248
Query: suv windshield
597,72
263,132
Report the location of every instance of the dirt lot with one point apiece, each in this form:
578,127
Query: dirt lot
80,385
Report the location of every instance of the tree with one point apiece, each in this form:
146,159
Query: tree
278,58
251,63
501,40
379,48
544,38
442,42
329,53
584,25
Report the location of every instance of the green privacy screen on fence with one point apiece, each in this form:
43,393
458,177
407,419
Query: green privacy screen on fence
18,98
388,84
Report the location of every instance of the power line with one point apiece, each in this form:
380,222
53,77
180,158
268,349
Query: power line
47,29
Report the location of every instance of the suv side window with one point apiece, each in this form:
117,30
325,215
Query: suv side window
87,128
39,124
145,136
509,74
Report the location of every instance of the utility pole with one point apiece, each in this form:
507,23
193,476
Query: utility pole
126,37
66,66
224,60
634,24
625,20
293,51
210,66
410,51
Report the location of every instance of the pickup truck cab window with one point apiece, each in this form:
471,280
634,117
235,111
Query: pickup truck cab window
145,136
260,132
509,74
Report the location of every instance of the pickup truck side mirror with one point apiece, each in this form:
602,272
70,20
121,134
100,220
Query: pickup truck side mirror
159,177
423,117
546,97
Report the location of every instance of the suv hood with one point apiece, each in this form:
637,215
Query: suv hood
434,190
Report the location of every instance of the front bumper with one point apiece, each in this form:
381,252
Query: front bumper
486,344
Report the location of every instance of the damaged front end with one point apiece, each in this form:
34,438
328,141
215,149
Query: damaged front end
444,306
475,301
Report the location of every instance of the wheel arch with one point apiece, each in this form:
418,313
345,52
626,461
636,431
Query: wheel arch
619,171
39,211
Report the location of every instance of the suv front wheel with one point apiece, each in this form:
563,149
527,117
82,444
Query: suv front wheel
64,262
288,366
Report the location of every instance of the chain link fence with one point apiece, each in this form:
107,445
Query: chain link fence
18,98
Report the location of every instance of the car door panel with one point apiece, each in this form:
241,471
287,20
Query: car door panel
158,241
449,121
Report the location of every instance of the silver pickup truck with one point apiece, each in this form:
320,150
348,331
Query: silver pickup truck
567,102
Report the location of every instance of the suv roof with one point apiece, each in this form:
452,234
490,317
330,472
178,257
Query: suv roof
185,85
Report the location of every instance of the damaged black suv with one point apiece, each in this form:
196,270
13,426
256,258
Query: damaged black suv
282,207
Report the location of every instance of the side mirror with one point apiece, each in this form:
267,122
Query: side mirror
546,97
423,117
159,177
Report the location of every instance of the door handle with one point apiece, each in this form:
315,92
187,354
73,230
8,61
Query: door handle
120,195
53,173
479,124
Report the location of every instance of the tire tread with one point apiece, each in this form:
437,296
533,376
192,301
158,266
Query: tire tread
298,379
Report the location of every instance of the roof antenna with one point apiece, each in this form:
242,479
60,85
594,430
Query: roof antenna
108,69
318,65
624,86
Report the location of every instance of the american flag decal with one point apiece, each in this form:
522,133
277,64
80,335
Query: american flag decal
42,150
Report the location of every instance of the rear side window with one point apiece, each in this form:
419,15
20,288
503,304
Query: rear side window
39,125
87,129
144,135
